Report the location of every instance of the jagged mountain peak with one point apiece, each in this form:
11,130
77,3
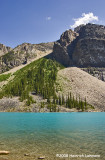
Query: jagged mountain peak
67,37
4,49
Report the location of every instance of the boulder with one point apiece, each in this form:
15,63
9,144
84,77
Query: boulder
4,152
41,157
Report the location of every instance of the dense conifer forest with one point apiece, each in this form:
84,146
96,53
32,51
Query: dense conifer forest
39,78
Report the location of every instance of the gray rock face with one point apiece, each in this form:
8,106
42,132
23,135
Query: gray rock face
83,47
67,37
60,54
23,53
4,49
63,48
33,49
91,31
90,48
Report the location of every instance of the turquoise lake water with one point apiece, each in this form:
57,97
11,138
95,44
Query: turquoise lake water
49,134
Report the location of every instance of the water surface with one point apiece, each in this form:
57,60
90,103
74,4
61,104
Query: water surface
49,134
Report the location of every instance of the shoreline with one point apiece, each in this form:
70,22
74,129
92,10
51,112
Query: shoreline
56,112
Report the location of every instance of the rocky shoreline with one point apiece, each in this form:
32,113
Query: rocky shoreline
14,105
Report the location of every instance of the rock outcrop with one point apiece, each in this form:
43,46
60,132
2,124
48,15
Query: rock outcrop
4,152
90,48
4,49
83,47
23,53
62,51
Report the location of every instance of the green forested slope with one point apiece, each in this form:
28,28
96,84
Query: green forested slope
4,77
39,78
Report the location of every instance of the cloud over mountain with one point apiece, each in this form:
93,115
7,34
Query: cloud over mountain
84,19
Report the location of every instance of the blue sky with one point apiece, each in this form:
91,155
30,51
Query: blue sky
36,21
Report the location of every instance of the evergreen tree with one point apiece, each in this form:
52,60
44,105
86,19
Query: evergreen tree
63,100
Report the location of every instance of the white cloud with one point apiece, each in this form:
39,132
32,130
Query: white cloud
84,19
48,18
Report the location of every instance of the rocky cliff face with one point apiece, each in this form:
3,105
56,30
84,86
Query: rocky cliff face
4,49
63,48
23,53
83,47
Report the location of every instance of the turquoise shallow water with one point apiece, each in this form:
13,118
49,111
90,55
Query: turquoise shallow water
49,134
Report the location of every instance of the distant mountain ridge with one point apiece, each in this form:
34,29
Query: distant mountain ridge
83,47
10,58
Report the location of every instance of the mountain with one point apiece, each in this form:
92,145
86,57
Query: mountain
4,49
50,77
46,86
84,85
22,54
83,47
37,88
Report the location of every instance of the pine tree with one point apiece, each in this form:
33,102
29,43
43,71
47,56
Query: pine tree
60,100
63,100
85,104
